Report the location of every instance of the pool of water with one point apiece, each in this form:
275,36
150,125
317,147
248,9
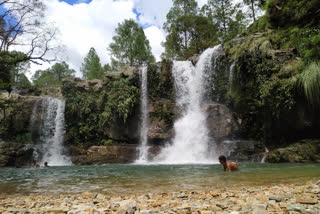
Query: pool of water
128,178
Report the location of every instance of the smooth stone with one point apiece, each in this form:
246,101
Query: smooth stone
307,200
295,207
259,209
181,195
145,211
277,198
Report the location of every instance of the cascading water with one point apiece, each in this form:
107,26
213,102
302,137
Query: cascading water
190,144
231,72
143,147
52,133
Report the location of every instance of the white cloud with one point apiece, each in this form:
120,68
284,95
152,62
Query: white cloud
83,26
155,37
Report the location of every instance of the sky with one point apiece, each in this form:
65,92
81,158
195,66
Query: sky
83,24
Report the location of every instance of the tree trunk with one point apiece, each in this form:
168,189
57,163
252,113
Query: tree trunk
253,12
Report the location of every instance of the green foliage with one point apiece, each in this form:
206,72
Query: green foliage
180,8
22,81
261,25
230,20
23,138
263,86
89,113
190,35
160,82
107,142
309,81
9,62
130,47
13,123
91,67
306,40
52,76
284,13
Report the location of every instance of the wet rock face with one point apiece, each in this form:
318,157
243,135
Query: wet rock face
14,154
300,152
125,153
241,150
221,121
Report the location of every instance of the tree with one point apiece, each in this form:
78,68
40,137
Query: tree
177,26
228,18
22,27
61,71
52,76
180,8
254,6
190,35
130,46
91,67
107,68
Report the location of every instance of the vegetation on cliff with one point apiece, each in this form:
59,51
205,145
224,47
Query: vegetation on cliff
277,69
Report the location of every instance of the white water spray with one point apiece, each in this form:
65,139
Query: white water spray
53,133
231,72
265,155
143,147
190,144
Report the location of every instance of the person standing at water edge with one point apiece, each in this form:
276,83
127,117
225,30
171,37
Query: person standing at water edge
227,165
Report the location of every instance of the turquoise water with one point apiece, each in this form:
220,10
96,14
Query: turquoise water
127,179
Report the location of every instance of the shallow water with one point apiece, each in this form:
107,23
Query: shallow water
128,179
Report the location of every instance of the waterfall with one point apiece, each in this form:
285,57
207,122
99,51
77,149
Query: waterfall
265,155
51,132
143,147
231,72
191,141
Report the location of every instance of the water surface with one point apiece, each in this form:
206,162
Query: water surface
128,179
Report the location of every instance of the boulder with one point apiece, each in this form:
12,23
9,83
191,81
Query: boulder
194,59
15,154
241,150
300,152
221,121
44,91
126,72
122,153
159,130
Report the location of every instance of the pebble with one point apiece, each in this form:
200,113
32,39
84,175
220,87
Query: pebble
251,200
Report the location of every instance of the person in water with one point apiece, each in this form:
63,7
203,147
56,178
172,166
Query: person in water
46,164
227,165
34,164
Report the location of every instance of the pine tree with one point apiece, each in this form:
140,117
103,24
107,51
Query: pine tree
91,67
130,46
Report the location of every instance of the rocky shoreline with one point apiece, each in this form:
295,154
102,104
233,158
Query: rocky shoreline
283,198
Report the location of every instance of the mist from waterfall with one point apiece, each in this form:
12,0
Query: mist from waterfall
51,132
191,142
143,147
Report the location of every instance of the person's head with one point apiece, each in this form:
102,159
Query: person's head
222,159
45,163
